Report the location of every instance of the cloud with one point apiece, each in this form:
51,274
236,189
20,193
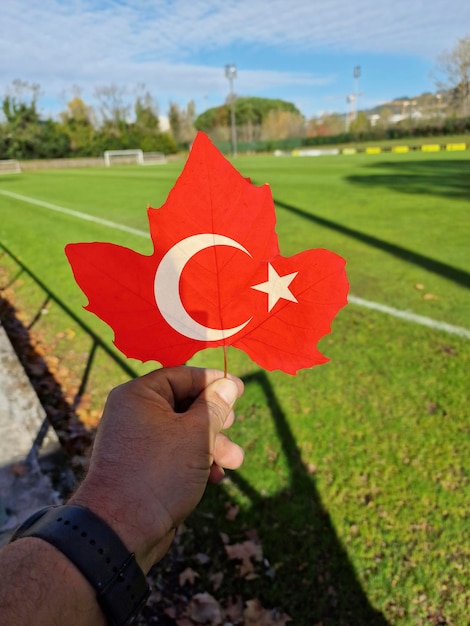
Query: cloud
177,28
175,46
146,30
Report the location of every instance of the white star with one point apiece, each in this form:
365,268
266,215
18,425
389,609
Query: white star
277,287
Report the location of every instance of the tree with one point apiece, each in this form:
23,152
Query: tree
325,125
453,72
182,122
78,123
51,141
24,135
283,125
78,111
146,113
145,132
248,111
113,107
174,119
359,125
188,131
384,117
20,108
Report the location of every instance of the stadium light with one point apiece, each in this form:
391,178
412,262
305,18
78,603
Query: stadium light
357,73
351,98
231,73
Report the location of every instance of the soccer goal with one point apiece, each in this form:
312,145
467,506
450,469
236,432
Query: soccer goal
119,157
154,158
10,166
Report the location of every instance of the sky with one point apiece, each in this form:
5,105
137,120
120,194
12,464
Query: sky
302,51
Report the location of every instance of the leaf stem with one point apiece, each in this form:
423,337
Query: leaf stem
225,361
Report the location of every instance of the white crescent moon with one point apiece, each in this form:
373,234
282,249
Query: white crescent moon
166,287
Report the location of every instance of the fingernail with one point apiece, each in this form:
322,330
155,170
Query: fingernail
227,390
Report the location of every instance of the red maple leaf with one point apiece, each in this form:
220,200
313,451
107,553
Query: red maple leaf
215,278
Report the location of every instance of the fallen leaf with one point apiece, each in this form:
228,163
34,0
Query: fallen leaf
232,512
245,552
430,296
224,537
205,609
216,580
312,468
170,611
187,576
234,610
256,615
448,350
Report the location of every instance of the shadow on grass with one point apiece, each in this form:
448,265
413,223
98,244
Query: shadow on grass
316,582
445,178
431,265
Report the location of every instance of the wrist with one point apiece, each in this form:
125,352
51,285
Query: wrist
141,536
97,553
40,585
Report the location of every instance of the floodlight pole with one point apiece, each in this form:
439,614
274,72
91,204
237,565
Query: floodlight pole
351,99
357,73
231,73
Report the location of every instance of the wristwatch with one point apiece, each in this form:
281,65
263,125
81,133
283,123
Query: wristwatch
97,551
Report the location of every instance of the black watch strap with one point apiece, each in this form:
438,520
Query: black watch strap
97,551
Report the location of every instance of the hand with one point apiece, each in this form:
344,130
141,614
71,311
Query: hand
158,444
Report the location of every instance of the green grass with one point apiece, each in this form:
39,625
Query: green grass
356,474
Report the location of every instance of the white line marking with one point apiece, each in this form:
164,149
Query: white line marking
82,216
388,310
411,317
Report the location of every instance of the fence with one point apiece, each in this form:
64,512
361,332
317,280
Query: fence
62,356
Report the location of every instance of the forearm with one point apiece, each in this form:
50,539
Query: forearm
40,586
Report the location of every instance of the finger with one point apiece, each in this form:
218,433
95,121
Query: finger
230,420
179,385
216,474
227,453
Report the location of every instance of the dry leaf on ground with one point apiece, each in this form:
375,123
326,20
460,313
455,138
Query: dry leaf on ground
205,609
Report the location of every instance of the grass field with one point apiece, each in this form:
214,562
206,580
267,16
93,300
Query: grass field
356,475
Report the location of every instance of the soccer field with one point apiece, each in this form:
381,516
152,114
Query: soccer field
365,459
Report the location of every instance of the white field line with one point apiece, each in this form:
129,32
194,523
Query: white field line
79,214
411,317
382,308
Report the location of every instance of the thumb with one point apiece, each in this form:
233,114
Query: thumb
227,389
216,401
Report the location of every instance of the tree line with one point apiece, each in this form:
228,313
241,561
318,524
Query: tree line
80,130
113,124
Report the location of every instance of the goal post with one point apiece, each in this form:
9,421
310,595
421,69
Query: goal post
116,157
154,158
10,166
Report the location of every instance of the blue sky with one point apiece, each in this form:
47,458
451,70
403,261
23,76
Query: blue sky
303,51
